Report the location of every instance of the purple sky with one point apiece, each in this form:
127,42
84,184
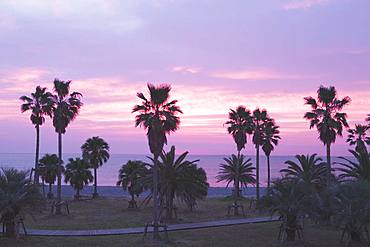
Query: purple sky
216,55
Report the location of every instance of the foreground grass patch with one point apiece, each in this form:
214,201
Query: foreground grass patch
108,213
255,235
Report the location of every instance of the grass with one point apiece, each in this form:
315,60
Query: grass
255,235
108,213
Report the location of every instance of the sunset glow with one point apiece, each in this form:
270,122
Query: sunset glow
247,57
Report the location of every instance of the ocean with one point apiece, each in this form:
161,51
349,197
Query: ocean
108,173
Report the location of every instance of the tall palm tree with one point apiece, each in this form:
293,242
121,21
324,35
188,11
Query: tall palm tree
159,117
259,119
96,152
327,118
357,168
17,196
49,170
288,199
353,213
238,170
180,178
66,109
77,173
130,176
270,139
40,104
239,125
358,136
310,170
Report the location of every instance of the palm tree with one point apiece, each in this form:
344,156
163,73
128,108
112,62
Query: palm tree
158,116
327,118
240,124
357,168
238,170
66,109
17,196
353,214
180,178
49,170
270,139
259,118
358,137
288,199
77,173
96,152
130,176
310,170
40,104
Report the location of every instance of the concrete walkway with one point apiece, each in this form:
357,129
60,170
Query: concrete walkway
140,230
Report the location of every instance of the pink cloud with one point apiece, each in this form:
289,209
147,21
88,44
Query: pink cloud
108,102
304,4
186,69
254,74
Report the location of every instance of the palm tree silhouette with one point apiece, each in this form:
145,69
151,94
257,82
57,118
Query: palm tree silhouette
77,173
357,168
310,170
238,170
158,116
259,118
66,109
49,170
270,139
358,136
180,178
327,118
40,104
240,124
130,176
18,196
96,152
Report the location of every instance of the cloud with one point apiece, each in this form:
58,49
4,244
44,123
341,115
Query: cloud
186,69
108,102
114,15
304,4
254,74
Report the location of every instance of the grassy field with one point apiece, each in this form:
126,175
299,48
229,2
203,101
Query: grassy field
106,213
256,235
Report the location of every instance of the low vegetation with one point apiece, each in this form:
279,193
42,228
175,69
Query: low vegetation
107,213
261,235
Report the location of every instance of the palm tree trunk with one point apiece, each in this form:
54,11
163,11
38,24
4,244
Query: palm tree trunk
77,193
236,197
268,173
58,209
36,178
168,207
236,183
50,193
10,230
328,161
257,173
43,188
95,194
155,200
132,203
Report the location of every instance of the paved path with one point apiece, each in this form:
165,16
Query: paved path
140,230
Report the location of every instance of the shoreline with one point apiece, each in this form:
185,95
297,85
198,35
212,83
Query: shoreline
116,191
